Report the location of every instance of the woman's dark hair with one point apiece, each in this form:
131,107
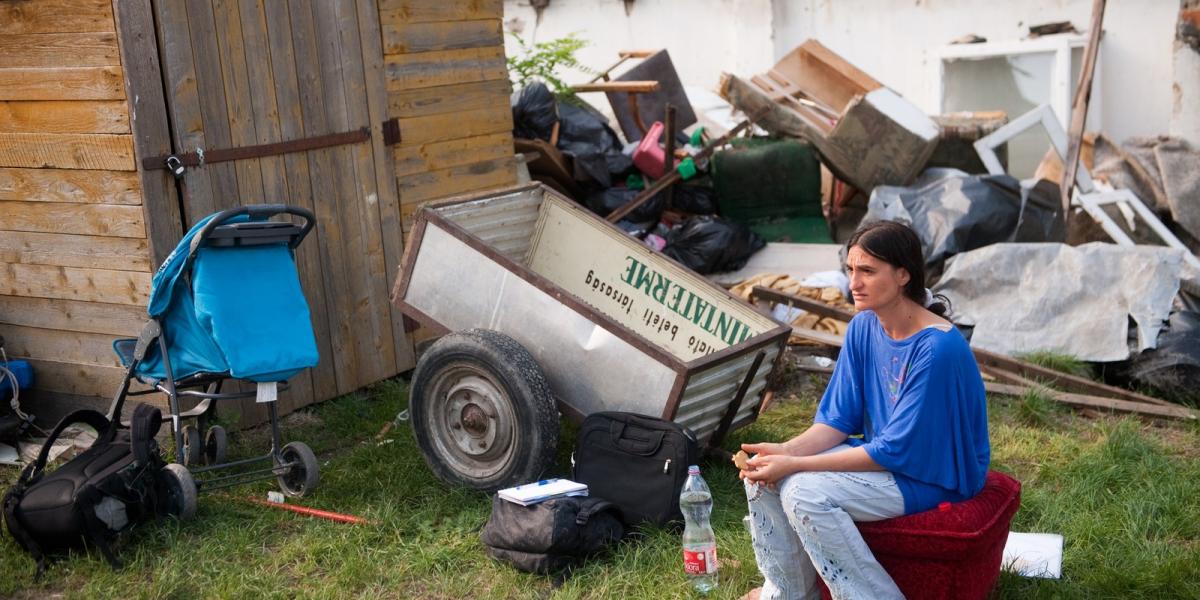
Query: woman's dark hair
898,245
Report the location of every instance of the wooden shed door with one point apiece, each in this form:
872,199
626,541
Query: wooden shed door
243,73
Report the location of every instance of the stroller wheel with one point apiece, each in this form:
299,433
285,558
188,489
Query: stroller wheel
302,477
181,491
193,449
216,442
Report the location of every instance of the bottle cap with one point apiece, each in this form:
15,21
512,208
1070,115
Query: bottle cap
693,470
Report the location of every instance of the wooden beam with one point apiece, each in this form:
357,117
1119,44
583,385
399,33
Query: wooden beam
1083,93
77,83
443,99
808,304
421,187
84,116
55,16
61,345
445,67
67,151
627,87
66,250
70,283
81,219
114,320
1140,408
162,220
1067,382
434,156
453,126
70,185
60,50
404,37
419,11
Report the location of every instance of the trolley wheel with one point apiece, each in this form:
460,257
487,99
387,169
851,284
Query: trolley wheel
180,499
216,442
482,411
302,477
193,449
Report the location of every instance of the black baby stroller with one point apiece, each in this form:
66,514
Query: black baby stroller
227,304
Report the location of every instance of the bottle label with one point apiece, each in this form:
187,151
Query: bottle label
700,562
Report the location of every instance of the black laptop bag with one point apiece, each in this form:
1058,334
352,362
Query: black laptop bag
637,462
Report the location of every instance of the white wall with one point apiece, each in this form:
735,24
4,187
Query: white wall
892,40
704,37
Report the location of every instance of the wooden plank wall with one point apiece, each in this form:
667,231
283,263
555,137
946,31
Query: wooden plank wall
75,263
288,71
447,84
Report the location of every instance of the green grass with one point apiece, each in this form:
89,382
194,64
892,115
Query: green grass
1122,493
1063,363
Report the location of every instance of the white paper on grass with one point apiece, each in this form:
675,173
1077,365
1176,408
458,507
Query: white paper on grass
1034,554
1074,300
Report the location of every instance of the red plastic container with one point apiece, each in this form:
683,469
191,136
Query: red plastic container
947,554
649,157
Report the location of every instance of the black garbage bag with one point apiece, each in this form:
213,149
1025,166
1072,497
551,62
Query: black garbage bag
695,196
534,112
953,212
708,244
1173,367
584,135
603,202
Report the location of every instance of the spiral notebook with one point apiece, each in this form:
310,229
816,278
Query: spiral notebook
540,491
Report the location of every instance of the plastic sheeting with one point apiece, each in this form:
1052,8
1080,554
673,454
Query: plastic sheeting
953,212
1072,300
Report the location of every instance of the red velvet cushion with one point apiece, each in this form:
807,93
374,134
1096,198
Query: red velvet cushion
953,553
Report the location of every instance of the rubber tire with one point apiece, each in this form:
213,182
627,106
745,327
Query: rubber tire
301,479
181,493
216,444
193,446
521,380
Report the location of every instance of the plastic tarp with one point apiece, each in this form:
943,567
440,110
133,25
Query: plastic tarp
953,212
1173,366
1074,300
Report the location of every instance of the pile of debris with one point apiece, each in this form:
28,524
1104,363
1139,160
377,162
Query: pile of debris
824,147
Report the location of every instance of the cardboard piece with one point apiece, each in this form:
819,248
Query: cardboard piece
868,134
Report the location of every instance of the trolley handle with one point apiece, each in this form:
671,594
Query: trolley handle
257,211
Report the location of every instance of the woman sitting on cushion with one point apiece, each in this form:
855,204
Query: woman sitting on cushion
905,380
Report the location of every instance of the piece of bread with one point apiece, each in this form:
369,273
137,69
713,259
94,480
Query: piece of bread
739,459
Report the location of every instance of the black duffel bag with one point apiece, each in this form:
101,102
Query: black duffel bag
115,484
637,462
552,535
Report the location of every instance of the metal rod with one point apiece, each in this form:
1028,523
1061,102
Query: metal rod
236,463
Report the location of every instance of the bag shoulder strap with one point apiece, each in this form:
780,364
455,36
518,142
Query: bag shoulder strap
90,417
11,499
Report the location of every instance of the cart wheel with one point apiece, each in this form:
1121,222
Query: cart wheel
216,442
302,477
482,412
193,449
181,491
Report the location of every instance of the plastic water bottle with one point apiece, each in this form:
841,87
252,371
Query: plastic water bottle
699,542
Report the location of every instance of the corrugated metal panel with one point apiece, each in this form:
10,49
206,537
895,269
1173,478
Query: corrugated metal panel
505,222
709,393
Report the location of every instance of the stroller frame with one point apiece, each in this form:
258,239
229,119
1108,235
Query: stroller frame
294,465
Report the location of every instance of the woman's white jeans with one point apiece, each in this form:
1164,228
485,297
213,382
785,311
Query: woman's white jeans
806,527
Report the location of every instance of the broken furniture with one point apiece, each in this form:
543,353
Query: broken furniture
952,552
609,323
958,133
1089,196
632,113
1014,77
868,134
